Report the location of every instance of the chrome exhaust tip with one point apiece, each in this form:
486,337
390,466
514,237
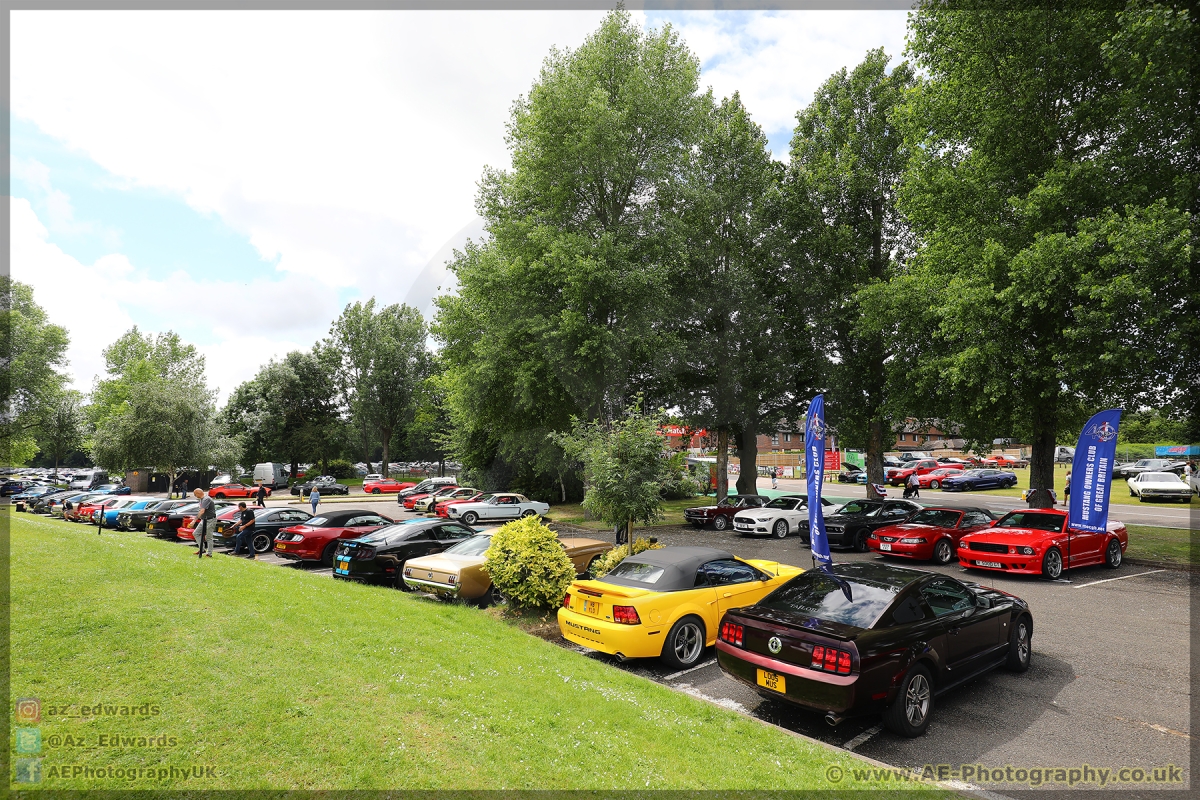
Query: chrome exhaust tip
621,657
833,719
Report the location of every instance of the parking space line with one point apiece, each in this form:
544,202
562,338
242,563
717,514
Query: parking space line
862,738
1123,577
693,669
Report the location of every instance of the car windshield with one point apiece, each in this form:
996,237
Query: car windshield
855,507
385,532
815,595
642,573
1030,519
785,503
475,546
1170,477
939,517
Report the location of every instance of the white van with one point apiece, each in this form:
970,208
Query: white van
272,475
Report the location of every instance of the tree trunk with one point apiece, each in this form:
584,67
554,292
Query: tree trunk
387,441
874,456
295,467
1041,457
747,449
722,487
562,487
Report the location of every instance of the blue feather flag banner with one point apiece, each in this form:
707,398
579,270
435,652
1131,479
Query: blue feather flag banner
1091,472
814,474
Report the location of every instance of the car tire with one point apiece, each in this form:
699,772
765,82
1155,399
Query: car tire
470,518
697,524
684,645
1112,554
375,490
781,529
262,542
1020,645
860,541
529,512
219,496
934,484
590,569
493,597
910,712
720,523
943,552
327,554
1052,564
400,584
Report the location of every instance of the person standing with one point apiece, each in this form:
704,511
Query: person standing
204,522
314,497
260,496
245,531
1067,490
914,485
183,488
774,478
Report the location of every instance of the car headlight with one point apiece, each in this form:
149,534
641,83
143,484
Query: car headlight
1026,551
913,540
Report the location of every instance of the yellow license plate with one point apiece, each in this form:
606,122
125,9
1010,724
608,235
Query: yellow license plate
281,546
772,680
591,607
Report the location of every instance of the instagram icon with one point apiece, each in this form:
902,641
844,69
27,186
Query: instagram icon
29,709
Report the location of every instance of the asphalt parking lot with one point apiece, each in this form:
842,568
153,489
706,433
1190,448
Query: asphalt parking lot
1109,685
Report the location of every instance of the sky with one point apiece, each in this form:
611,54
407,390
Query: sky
239,177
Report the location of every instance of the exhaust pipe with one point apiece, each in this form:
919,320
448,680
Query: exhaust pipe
621,657
833,719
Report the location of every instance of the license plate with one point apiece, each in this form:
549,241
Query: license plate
885,545
591,607
281,546
995,564
772,680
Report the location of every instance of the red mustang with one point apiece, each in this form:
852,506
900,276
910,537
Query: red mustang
897,476
83,511
931,534
1004,461
187,530
385,486
442,509
1038,542
317,537
235,490
933,480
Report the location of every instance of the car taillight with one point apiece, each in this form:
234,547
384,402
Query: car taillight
408,572
161,518
452,579
830,659
626,615
732,632
567,601
363,553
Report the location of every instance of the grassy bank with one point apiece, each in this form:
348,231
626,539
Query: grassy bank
1168,545
277,678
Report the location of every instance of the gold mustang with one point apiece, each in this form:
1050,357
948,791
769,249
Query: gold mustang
458,571
665,603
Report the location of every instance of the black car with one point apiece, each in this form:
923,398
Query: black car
43,504
853,522
379,556
165,524
136,519
1148,465
267,523
849,474
865,637
326,484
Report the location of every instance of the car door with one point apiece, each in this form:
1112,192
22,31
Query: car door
506,507
970,631
736,583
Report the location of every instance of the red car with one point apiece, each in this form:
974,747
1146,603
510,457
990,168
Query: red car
933,480
317,538
1003,461
896,476
931,534
411,501
386,486
1038,542
235,490
83,511
188,529
442,509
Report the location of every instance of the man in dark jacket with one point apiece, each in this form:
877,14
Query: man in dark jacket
205,519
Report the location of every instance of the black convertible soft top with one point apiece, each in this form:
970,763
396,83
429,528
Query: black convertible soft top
679,567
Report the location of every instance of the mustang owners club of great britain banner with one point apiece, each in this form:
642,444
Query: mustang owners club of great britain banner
1091,472
814,473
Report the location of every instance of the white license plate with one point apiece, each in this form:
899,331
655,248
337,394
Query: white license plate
885,545
994,564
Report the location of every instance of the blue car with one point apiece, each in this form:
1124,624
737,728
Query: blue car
110,513
34,491
979,479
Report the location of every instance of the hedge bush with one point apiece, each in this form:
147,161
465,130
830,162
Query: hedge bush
341,469
609,560
528,565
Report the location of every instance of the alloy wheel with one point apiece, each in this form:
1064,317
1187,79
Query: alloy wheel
689,643
942,552
1052,565
916,700
1023,641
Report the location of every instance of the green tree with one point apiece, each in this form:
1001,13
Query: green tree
62,428
137,359
33,350
625,467
847,159
1053,266
558,313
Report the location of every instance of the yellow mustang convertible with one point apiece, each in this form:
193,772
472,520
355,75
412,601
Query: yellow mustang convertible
665,602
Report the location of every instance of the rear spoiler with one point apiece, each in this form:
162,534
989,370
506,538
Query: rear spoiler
598,589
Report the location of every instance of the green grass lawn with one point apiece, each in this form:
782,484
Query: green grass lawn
1169,545
277,678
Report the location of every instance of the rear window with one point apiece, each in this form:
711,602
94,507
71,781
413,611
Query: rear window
475,546
815,595
642,573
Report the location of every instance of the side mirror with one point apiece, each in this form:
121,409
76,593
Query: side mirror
982,602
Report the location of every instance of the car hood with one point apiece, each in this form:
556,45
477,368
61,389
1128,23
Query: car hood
1010,535
910,526
836,518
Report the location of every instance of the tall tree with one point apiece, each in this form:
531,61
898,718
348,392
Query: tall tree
136,359
1053,274
62,428
558,313
33,350
846,233
746,356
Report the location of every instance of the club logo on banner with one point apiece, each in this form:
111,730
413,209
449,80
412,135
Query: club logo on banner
814,473
1091,472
